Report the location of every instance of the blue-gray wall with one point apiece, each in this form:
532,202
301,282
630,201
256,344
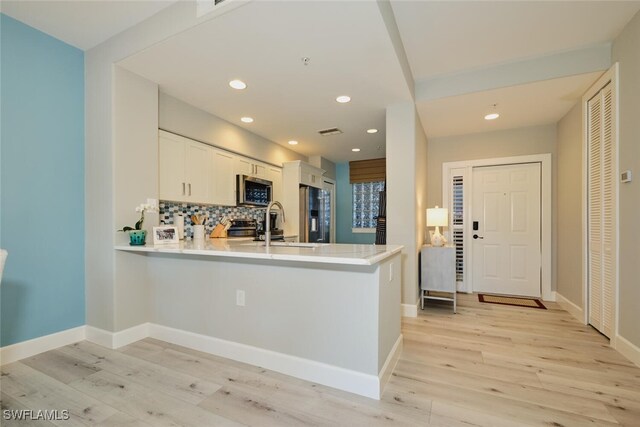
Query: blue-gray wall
42,183
344,210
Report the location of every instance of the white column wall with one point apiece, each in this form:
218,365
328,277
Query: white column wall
420,159
112,303
406,191
135,124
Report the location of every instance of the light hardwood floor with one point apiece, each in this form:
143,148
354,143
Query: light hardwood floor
488,365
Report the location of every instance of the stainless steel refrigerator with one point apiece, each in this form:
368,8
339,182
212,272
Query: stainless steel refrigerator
315,215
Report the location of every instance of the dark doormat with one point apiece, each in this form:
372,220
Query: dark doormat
515,301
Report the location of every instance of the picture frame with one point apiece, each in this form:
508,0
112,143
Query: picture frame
165,235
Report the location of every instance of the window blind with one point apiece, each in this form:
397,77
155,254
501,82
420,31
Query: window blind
373,170
457,210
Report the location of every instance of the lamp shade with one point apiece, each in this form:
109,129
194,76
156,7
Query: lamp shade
437,217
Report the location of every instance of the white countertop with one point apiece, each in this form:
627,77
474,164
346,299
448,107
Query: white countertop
233,248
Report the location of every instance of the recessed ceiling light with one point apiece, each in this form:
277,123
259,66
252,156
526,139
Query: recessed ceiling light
292,142
491,116
238,84
355,150
372,130
343,99
247,120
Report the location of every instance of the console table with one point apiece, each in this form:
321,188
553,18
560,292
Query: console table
438,273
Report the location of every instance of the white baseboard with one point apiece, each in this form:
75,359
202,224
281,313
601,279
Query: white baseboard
131,335
572,308
99,336
310,370
368,385
119,339
22,350
390,363
410,310
627,349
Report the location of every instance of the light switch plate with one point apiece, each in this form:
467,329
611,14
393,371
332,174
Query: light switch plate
626,176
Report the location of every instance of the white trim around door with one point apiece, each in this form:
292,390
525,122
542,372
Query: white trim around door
466,167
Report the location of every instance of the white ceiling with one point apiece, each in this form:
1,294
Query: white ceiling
519,106
351,53
443,37
82,23
263,44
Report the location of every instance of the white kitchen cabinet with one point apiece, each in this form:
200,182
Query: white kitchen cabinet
249,167
310,175
172,181
243,166
274,174
261,170
190,171
222,178
197,166
183,169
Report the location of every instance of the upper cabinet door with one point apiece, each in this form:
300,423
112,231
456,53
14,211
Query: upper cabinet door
243,166
198,160
310,175
274,174
260,171
172,181
223,182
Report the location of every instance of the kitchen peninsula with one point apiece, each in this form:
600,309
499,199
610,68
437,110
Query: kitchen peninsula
327,313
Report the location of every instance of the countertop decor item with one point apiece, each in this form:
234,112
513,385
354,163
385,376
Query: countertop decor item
165,235
220,230
138,236
438,217
198,232
179,222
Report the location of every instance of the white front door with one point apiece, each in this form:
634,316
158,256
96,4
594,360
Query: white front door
506,229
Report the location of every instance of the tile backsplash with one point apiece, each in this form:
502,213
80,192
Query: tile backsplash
214,214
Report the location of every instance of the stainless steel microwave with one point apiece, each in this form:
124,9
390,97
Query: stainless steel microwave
252,191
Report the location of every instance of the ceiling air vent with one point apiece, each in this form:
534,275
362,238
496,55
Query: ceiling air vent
331,131
204,7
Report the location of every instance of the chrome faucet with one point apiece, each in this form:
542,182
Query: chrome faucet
267,225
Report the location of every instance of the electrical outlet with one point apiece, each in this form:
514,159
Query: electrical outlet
391,272
240,298
153,202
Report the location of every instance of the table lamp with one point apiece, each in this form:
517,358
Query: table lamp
437,217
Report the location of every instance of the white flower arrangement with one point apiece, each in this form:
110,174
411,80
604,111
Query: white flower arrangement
142,208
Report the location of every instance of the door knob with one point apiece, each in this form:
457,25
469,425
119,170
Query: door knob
475,236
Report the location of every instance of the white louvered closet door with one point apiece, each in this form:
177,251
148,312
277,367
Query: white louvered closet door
602,175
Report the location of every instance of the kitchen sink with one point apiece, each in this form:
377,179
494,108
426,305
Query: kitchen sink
288,244
298,244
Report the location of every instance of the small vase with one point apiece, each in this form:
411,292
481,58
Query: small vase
137,237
